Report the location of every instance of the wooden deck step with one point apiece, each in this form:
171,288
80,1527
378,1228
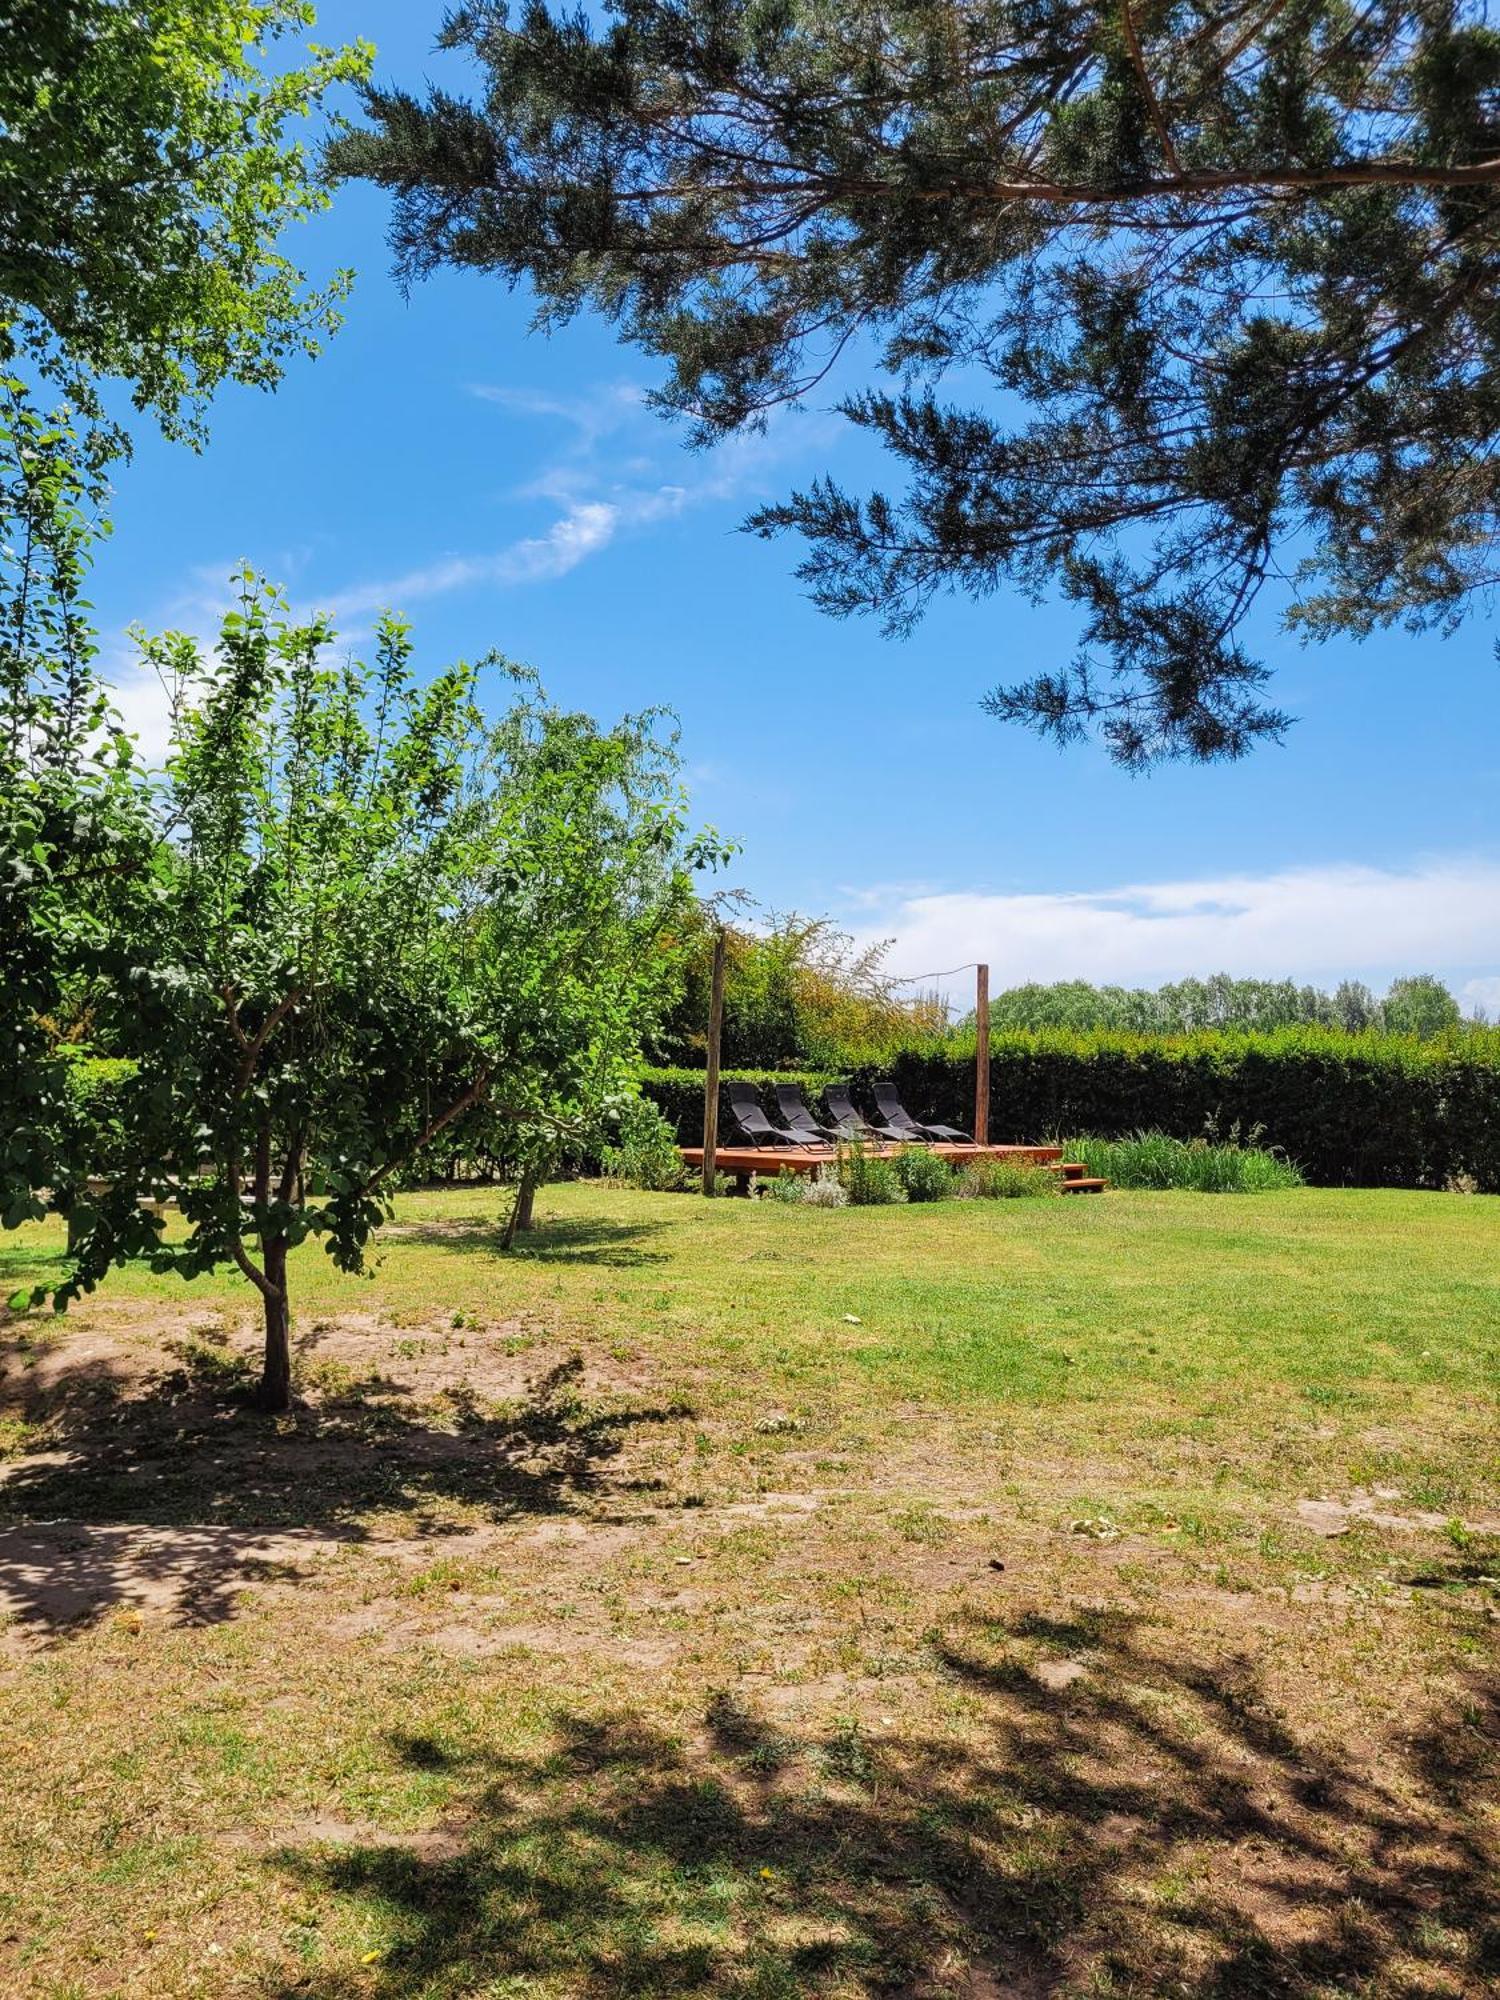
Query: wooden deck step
1082,1184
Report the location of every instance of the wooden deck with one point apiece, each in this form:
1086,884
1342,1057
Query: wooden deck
743,1161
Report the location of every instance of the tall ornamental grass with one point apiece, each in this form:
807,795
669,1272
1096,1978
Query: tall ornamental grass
1153,1160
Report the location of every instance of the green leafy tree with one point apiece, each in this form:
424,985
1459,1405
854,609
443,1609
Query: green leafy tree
797,990
1421,1006
371,916
1170,299
149,164
73,832
1354,1007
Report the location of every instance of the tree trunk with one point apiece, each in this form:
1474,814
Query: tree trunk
275,1392
520,1215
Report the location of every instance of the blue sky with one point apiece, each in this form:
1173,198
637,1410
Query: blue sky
508,490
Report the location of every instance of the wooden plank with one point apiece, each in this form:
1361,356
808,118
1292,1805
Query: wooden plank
807,1160
982,1055
711,1074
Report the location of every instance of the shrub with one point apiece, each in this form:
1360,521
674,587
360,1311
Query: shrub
925,1176
1005,1180
787,1187
796,990
869,1179
824,1190
645,1153
820,1190
1153,1160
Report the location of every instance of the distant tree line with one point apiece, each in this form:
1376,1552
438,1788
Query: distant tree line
1417,1005
799,992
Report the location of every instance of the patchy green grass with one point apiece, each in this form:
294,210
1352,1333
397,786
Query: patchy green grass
979,1598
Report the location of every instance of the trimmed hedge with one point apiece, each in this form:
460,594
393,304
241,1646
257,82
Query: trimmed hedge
1350,1110
679,1092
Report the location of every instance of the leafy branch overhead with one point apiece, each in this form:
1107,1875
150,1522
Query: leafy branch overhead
149,163
1174,300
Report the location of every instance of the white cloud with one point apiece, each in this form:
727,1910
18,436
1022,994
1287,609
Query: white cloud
1481,996
1316,923
605,408
602,496
606,481
144,709
580,532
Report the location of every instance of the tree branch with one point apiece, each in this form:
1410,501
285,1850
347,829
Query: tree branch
432,1128
1153,103
1210,181
257,1278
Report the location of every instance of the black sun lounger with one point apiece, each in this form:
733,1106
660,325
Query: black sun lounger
901,1124
744,1105
793,1108
848,1123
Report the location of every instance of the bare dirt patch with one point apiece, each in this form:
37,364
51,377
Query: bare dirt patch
148,1484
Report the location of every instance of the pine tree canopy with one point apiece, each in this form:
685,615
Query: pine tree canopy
1160,301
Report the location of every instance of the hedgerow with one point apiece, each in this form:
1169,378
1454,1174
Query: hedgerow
1349,1110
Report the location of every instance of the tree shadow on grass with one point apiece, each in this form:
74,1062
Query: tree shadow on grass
175,1492
23,1263
1150,1829
556,1240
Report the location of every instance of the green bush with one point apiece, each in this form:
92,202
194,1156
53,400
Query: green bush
1352,1110
870,1180
645,1153
1153,1160
1005,1180
924,1175
819,1190
97,1093
785,1187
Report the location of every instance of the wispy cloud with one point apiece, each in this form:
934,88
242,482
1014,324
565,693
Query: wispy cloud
602,410
615,471
1315,923
603,493
585,528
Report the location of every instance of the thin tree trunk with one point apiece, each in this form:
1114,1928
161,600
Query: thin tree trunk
521,1214
276,1376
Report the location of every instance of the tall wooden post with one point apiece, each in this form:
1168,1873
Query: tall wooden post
711,1075
982,1056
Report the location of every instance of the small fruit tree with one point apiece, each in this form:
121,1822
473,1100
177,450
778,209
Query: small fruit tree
372,914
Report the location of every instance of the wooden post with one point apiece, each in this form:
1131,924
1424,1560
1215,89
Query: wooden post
982,1056
711,1075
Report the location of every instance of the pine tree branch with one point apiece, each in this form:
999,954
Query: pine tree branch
1153,102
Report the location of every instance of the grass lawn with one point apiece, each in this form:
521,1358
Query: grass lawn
996,1599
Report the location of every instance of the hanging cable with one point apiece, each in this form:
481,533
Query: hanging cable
916,978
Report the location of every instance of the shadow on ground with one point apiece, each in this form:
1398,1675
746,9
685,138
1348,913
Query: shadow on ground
1148,1830
555,1240
174,1492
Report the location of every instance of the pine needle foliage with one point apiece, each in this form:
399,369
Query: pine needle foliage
1162,301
